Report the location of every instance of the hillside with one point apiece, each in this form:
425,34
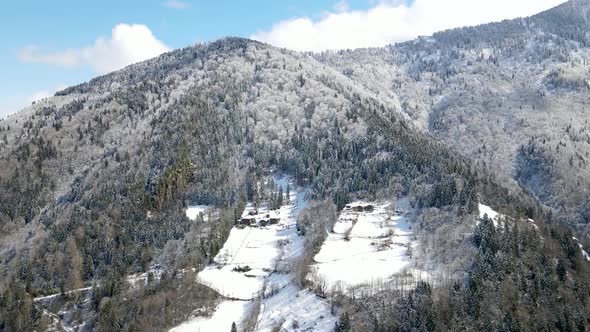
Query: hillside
512,96
95,183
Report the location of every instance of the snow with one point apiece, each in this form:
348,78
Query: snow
73,291
265,251
254,247
380,242
294,307
258,248
486,210
141,279
56,322
498,218
494,216
192,212
584,252
226,313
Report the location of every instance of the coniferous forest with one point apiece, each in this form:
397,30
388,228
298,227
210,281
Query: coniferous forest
95,182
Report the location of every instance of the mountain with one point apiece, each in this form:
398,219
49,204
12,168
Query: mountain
95,181
510,95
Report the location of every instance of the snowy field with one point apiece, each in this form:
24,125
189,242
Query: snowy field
292,307
246,268
486,210
193,211
370,243
226,313
250,253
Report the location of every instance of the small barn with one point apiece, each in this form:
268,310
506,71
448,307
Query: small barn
248,221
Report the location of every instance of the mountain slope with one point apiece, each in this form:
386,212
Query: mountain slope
511,95
95,180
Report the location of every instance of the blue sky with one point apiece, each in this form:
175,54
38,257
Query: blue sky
48,45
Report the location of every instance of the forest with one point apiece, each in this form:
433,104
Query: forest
95,181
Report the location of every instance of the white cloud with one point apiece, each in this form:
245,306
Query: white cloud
392,21
341,6
129,43
175,4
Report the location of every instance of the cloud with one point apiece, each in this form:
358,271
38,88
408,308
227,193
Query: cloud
390,21
175,4
341,6
129,43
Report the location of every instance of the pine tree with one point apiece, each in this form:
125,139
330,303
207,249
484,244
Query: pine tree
344,324
280,197
256,198
560,269
288,193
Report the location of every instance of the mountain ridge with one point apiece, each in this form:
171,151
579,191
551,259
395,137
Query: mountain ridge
94,182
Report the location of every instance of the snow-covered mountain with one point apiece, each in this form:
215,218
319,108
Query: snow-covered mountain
512,96
95,183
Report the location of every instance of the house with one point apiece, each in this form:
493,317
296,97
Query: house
363,208
358,208
248,221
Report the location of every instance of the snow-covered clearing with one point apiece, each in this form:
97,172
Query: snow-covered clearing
192,212
253,263
491,213
251,253
371,243
243,264
226,313
292,307
142,279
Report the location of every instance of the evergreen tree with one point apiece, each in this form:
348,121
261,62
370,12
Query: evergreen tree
344,324
280,197
288,193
